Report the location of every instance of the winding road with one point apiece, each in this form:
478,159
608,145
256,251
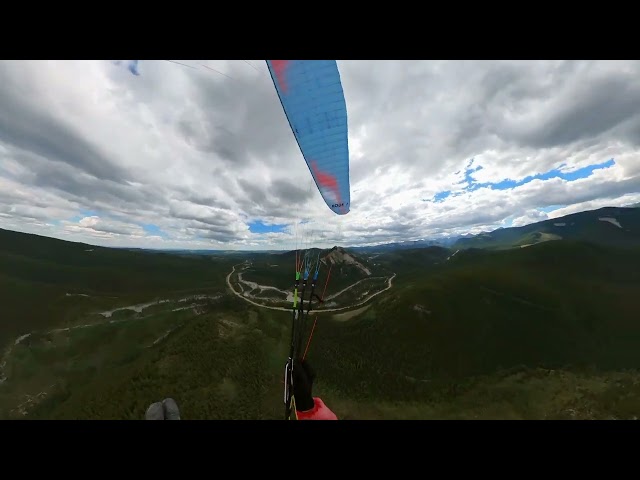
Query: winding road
327,310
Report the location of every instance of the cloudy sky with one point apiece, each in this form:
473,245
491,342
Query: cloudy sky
200,155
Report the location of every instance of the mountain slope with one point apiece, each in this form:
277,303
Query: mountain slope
549,331
614,226
273,276
40,279
553,305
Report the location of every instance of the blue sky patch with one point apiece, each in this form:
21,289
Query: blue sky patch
440,196
151,229
550,208
259,227
507,222
470,184
84,213
555,173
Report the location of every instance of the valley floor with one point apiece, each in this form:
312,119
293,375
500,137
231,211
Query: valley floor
446,339
223,360
251,298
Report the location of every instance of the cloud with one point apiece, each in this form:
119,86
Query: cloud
530,216
162,155
30,126
96,226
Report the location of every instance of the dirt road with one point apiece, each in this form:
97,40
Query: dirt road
321,310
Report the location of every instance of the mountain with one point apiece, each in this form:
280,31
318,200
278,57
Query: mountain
410,245
342,259
415,261
45,281
613,226
478,335
269,278
548,331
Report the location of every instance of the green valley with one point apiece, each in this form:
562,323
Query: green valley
544,332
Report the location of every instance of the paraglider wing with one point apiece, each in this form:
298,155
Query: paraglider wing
133,67
313,100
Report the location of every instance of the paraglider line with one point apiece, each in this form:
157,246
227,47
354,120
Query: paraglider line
310,337
202,65
183,64
315,320
214,70
251,65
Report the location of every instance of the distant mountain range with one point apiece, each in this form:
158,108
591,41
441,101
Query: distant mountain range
611,226
614,226
444,242
496,332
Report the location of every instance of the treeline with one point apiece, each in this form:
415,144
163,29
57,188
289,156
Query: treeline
37,273
216,367
563,306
